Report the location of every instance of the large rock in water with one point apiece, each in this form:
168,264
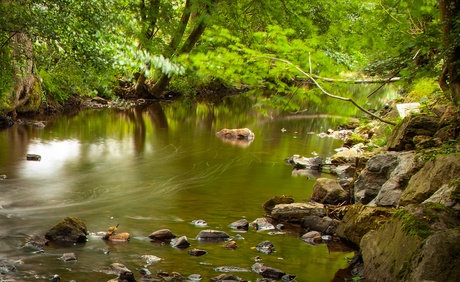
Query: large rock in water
71,229
328,191
443,170
360,219
297,211
241,133
414,245
411,126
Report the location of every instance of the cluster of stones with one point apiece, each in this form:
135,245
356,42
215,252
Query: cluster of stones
398,205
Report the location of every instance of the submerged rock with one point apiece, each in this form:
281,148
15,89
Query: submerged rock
71,229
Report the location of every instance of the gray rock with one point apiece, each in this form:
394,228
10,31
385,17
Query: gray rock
403,133
241,224
305,163
212,235
319,224
265,247
163,234
276,200
117,268
443,197
390,193
231,269
36,242
443,170
225,277
6,266
328,191
71,229
345,171
180,242
436,259
297,211
68,257
267,271
262,224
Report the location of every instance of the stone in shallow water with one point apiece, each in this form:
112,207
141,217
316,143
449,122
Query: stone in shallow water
265,247
212,235
68,257
267,271
231,269
241,224
163,234
197,252
71,229
181,242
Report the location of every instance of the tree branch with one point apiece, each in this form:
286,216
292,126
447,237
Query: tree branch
329,94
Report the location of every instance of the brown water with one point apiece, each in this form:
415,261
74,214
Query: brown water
154,167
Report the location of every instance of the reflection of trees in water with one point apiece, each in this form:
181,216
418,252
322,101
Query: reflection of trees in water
14,146
136,116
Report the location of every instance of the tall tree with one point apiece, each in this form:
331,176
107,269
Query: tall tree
450,17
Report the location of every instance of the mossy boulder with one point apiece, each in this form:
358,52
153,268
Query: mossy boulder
435,173
360,219
395,250
70,229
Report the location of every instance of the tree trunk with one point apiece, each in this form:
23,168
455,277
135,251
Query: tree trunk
158,88
23,79
450,13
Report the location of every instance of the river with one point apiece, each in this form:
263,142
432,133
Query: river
152,167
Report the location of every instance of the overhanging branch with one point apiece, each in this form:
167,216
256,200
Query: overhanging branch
329,94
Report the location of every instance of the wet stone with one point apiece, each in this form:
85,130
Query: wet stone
199,222
163,234
181,242
212,235
195,277
197,252
6,266
241,224
231,245
267,271
265,247
68,257
36,242
231,269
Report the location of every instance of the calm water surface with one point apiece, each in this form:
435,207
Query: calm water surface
154,167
